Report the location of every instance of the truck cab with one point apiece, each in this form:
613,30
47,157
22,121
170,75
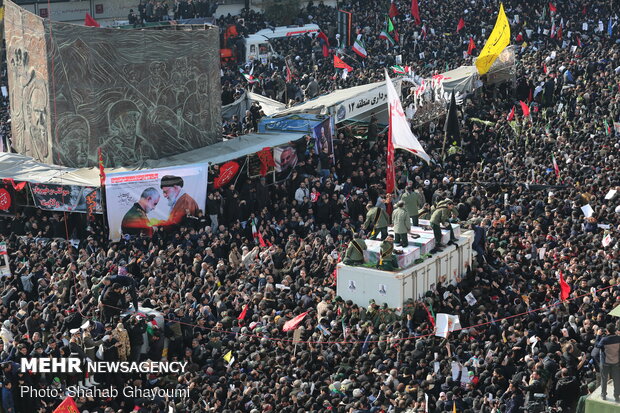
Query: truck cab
257,46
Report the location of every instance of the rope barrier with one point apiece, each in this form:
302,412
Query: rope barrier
388,340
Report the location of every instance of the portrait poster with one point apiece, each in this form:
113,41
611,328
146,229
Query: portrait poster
285,158
323,136
139,201
5,269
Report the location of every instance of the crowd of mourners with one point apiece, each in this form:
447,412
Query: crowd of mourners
524,348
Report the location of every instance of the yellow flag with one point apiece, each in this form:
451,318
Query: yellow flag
454,407
228,356
498,40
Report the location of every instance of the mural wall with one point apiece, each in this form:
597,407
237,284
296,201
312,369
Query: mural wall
28,82
138,95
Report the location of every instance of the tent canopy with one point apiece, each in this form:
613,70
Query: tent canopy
463,79
24,168
239,106
345,103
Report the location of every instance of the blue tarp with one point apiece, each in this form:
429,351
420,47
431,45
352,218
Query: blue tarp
304,123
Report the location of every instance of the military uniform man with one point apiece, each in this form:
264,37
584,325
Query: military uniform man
355,251
441,215
413,202
387,260
378,220
402,224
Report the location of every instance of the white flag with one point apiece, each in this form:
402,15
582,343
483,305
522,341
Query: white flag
402,137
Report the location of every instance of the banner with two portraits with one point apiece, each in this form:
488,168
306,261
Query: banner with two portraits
139,201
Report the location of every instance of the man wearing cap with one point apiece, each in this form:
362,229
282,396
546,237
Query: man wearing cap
441,215
377,219
387,260
179,201
402,224
413,202
355,251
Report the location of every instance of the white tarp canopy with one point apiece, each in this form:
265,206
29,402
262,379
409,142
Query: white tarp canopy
239,106
24,168
345,103
464,79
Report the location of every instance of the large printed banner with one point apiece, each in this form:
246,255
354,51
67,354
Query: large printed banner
70,198
323,136
141,200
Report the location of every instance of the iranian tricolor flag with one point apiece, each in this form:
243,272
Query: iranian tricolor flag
556,168
399,70
359,47
255,233
384,35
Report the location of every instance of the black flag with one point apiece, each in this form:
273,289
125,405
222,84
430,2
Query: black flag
451,128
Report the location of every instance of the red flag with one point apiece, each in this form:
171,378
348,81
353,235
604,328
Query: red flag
511,115
17,187
530,96
560,32
266,160
471,47
552,8
243,312
90,22
67,406
415,12
294,323
325,41
323,37
393,10
424,32
289,75
578,41
340,64
545,67
261,241
101,168
525,108
390,178
584,10
460,25
564,288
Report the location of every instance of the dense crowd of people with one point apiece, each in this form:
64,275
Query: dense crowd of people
222,294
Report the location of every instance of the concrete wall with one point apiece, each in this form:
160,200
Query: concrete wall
137,94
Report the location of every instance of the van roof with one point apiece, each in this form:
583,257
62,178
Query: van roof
286,31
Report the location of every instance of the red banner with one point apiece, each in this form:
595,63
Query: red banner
67,406
266,160
5,200
227,173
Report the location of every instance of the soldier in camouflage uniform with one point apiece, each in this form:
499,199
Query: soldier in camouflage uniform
377,220
354,254
387,260
441,216
413,203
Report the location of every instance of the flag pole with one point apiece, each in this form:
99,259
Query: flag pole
443,147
